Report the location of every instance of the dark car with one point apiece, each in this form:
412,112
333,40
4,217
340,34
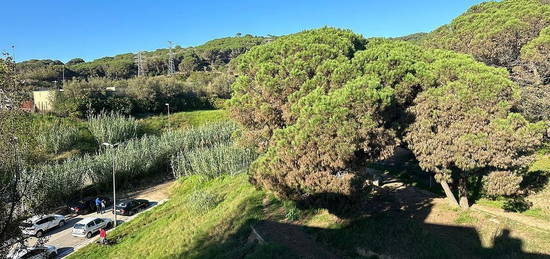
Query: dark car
87,205
130,207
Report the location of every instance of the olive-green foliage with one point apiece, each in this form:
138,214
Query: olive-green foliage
501,183
112,127
83,96
150,94
466,123
271,76
56,136
535,102
535,56
202,201
494,32
132,96
212,162
133,159
512,33
321,103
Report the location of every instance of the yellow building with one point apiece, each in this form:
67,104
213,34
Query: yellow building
43,100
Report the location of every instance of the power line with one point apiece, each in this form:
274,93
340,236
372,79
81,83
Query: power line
140,62
171,66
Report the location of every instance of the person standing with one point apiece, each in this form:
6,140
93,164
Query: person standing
102,236
103,206
98,205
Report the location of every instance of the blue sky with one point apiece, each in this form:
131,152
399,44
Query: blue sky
65,29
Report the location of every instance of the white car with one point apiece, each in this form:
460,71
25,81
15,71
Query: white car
34,252
87,227
38,225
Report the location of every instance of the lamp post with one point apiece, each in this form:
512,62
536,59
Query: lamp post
114,181
168,108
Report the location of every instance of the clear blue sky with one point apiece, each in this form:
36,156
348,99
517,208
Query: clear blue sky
65,29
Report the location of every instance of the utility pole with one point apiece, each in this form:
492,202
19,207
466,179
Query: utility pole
171,66
140,62
63,76
114,179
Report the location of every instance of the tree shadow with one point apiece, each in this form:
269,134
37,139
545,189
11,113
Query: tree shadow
390,225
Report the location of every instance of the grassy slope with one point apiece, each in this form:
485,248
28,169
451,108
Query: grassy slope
155,124
178,228
540,200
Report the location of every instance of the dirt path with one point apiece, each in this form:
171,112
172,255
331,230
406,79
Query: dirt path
526,220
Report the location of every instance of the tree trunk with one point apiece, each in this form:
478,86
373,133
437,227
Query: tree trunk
463,192
449,193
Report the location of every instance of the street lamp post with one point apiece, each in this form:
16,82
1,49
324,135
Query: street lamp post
114,181
168,108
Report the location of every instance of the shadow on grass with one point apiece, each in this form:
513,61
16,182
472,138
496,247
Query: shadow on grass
393,226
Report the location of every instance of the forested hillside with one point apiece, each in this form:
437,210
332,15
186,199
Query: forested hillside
208,56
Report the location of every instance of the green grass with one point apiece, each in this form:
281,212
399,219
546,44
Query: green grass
177,229
541,164
465,218
156,124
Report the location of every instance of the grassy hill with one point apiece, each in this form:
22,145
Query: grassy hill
213,218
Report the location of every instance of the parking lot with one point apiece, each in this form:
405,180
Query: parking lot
66,243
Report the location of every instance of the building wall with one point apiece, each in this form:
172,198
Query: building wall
43,100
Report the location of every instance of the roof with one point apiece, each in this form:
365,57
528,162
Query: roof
39,217
86,220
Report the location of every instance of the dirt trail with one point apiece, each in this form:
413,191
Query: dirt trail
526,220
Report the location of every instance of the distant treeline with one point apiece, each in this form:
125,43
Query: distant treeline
209,56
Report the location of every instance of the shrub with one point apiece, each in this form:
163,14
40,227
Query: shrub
112,127
56,136
501,183
212,162
518,204
203,201
133,159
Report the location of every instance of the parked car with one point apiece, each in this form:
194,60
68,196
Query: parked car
131,207
87,227
34,252
87,205
38,225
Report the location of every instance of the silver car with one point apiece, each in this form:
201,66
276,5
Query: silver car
87,227
34,252
38,225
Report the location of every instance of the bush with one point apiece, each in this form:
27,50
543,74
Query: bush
212,162
112,127
133,159
56,136
501,183
518,204
203,201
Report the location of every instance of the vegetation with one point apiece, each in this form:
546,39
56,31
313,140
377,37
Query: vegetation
56,136
501,183
180,120
192,233
514,34
352,104
56,183
112,127
212,161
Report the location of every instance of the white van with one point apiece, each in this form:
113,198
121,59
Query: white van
87,227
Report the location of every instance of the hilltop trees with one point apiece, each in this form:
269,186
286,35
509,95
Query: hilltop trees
514,34
321,104
494,32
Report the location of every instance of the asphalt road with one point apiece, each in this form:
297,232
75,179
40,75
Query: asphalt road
66,243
